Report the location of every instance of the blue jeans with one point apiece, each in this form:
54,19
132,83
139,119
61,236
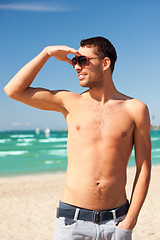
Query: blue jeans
70,229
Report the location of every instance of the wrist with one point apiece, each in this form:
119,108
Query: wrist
129,222
46,51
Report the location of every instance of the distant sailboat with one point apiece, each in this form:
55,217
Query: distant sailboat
37,131
47,132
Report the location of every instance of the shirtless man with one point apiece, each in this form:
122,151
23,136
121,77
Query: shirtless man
103,126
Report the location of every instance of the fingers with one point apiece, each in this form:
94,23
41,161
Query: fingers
69,61
73,51
61,52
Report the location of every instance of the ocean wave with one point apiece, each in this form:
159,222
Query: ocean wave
4,140
53,140
22,136
7,153
48,162
26,140
155,139
52,162
156,150
60,144
24,144
58,152
157,156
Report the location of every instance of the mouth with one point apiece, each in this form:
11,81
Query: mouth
81,76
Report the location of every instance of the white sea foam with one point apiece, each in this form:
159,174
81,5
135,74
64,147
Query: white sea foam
57,152
59,146
156,150
155,138
53,140
22,136
26,140
157,156
7,153
5,140
48,162
23,144
52,162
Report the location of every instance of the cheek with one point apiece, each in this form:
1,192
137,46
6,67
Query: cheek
97,72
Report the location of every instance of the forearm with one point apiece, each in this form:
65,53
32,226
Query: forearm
23,79
139,192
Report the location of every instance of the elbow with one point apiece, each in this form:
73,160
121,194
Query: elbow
8,92
145,171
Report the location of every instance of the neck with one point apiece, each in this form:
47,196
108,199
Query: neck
105,91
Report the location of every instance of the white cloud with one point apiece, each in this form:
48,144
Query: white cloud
36,7
17,124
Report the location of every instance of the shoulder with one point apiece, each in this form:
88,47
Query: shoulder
134,106
139,111
68,99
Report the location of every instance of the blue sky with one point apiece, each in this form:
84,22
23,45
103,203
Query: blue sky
26,27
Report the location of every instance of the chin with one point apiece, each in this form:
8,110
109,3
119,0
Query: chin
84,85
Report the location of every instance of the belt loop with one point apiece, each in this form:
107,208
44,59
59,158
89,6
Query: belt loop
76,214
114,215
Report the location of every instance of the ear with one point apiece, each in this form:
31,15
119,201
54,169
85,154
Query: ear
106,63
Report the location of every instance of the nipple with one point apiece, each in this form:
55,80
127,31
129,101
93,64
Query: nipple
78,127
123,134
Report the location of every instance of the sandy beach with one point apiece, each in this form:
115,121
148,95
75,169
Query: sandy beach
28,206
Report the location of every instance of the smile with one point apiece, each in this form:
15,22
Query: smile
81,76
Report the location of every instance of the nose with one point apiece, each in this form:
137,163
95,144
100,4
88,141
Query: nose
77,67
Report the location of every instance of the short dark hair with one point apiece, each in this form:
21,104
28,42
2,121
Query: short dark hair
104,48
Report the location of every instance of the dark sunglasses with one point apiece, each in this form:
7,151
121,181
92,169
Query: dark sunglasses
81,60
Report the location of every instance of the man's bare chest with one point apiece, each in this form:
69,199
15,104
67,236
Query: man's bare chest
114,122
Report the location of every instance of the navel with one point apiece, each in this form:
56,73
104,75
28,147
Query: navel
99,189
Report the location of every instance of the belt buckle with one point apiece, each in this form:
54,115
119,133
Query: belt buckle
95,216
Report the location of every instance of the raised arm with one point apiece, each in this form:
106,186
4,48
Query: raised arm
142,145
19,86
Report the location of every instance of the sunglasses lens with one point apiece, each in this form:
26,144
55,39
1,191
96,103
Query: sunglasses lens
74,61
82,61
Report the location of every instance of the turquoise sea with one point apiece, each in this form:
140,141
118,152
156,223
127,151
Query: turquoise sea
25,152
